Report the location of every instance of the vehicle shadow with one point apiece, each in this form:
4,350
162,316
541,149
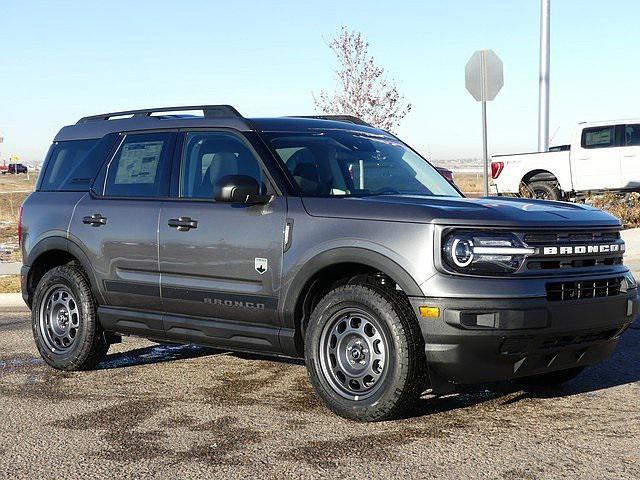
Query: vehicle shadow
169,352
156,354
622,368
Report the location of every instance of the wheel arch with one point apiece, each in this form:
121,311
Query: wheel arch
52,252
327,269
539,175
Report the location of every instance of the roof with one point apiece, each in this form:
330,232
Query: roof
622,121
307,124
213,116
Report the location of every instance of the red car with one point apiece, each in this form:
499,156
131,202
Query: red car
15,168
446,173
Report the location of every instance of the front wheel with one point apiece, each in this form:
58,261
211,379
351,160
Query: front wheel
364,352
64,321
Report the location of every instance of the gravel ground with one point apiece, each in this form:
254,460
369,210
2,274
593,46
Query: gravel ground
190,412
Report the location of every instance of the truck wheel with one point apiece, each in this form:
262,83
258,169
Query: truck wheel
364,352
551,379
64,321
544,191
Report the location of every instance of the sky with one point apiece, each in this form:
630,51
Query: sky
61,60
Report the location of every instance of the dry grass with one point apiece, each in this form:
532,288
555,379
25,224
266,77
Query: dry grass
469,183
625,207
9,283
13,190
12,183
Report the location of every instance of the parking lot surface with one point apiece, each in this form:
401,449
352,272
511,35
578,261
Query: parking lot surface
181,411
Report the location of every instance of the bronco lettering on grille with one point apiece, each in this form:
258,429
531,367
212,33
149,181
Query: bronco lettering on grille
583,249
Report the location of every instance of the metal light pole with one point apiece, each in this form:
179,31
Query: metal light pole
543,103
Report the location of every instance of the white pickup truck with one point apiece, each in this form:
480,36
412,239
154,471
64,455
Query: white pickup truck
603,156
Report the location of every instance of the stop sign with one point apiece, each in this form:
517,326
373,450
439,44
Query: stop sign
483,75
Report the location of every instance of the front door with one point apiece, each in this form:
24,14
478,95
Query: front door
220,263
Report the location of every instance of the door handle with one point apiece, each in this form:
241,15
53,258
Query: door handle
183,224
94,220
630,155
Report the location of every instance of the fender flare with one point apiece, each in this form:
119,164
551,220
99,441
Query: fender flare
56,242
370,258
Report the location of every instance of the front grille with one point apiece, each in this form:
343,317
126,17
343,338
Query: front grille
574,263
573,238
583,289
570,237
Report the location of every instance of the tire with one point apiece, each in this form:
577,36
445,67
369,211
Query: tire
544,190
375,342
551,379
64,321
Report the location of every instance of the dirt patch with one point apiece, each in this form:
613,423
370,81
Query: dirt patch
120,425
278,383
40,382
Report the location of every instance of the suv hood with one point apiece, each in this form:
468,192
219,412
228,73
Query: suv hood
488,211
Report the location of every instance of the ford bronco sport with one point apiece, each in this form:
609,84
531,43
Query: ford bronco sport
316,237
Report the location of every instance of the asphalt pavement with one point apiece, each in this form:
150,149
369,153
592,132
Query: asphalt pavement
167,411
161,411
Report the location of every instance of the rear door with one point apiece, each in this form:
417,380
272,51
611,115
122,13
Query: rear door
117,224
595,161
222,267
630,158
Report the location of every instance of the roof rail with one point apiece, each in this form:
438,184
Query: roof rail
339,118
209,111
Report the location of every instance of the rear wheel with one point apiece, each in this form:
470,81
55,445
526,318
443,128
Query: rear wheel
64,321
551,379
364,352
542,190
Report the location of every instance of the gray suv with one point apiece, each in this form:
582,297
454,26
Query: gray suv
314,237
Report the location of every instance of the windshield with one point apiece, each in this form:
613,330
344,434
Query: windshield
344,163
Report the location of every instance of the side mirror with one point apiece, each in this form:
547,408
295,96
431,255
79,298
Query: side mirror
240,189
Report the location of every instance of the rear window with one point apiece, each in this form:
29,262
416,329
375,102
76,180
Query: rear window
72,165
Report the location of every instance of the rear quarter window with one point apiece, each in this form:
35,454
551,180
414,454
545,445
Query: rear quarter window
72,165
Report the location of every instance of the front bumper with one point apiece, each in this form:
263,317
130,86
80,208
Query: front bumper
482,340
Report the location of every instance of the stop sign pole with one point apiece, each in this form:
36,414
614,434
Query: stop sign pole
483,79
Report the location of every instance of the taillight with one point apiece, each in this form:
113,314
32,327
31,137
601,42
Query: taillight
20,227
496,169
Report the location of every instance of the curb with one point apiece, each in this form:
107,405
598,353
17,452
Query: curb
11,300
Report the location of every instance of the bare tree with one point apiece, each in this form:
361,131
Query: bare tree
363,89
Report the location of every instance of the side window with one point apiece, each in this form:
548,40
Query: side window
70,167
599,137
632,135
209,157
140,167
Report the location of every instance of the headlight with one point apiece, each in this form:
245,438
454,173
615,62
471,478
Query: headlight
484,253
